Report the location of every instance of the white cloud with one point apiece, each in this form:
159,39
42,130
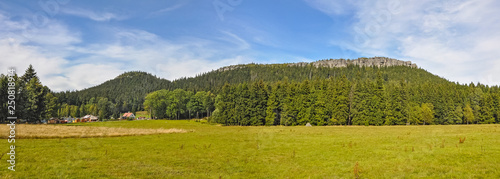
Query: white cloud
96,16
64,62
168,59
459,40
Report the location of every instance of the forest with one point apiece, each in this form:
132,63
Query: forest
271,94
358,102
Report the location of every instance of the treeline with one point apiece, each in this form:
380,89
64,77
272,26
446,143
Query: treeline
179,104
356,102
276,94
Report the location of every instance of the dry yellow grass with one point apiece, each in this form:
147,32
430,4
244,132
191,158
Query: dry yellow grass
27,131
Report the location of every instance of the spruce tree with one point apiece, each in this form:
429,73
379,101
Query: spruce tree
272,108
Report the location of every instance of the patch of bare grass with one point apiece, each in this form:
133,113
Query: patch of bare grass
26,131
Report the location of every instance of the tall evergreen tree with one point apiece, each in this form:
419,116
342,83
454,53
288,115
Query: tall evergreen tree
272,107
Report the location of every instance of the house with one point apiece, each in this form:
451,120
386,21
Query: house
128,115
89,118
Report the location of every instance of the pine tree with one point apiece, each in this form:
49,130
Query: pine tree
51,106
304,107
272,107
320,116
341,101
35,106
258,102
486,115
242,111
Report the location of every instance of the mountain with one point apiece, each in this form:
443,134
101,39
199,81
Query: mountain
130,88
362,68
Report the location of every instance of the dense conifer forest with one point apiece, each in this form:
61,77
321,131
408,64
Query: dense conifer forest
272,94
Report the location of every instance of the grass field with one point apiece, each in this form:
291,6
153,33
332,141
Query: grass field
212,151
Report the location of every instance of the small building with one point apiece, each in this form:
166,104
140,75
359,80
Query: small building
128,115
89,118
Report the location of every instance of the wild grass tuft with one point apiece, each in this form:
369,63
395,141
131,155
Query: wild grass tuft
356,171
461,140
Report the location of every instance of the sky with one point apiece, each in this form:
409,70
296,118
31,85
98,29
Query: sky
77,44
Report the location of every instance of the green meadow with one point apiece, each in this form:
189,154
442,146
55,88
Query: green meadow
214,151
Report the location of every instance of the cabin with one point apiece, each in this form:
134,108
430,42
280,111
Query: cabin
89,118
128,115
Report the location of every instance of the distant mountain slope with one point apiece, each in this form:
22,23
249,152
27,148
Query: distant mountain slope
362,68
131,87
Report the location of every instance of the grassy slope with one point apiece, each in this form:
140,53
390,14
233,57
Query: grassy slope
271,152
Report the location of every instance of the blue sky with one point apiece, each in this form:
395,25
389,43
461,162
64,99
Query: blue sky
76,44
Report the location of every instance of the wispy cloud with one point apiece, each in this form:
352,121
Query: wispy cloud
167,9
458,40
330,7
236,40
96,16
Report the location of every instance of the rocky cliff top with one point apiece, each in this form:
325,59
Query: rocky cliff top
362,62
339,63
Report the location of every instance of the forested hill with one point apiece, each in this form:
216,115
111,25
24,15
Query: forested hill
128,90
358,69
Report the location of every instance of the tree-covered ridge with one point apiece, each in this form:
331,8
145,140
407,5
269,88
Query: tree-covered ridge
214,80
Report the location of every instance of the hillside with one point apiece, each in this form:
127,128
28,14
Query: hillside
358,69
133,86
129,89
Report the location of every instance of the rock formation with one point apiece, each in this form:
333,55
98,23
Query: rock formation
340,63
362,62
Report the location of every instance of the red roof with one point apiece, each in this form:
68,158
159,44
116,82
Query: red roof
128,114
